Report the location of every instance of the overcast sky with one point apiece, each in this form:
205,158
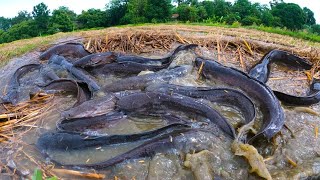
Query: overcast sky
10,8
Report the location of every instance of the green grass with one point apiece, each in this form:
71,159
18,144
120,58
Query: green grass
296,34
19,47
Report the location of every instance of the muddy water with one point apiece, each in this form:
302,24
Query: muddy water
302,147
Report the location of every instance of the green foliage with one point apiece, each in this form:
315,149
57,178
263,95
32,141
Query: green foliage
187,13
41,16
116,10
290,14
230,18
92,18
159,10
296,34
63,20
209,7
236,24
221,8
37,175
22,16
250,20
4,23
143,11
315,29
310,20
23,30
242,8
136,12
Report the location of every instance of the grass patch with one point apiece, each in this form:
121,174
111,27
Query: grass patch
296,34
19,47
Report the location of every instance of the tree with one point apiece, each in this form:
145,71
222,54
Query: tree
22,16
243,8
187,13
290,14
315,29
158,10
23,30
136,12
4,37
268,19
310,20
209,7
5,23
63,20
41,16
221,8
92,18
179,2
116,10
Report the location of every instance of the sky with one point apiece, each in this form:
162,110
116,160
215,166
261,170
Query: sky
10,8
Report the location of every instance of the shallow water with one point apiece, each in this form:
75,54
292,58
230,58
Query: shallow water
303,148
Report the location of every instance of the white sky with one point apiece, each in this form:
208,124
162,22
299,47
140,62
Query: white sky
10,8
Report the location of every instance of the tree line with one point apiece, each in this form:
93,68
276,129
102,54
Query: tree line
41,21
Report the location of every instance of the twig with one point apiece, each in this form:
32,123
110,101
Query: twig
249,48
241,60
200,70
218,49
79,173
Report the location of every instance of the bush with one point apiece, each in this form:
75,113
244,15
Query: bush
236,24
315,29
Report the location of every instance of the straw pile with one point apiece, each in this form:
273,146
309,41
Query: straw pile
240,45
24,114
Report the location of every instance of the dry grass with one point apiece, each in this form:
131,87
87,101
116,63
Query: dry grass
152,38
24,114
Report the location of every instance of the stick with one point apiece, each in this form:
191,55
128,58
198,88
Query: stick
218,49
79,173
249,48
241,60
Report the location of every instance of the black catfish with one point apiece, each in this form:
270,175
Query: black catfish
92,108
84,123
80,89
150,101
94,60
135,64
312,97
142,81
148,149
226,96
71,141
12,95
273,116
75,50
163,61
48,73
77,73
261,70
